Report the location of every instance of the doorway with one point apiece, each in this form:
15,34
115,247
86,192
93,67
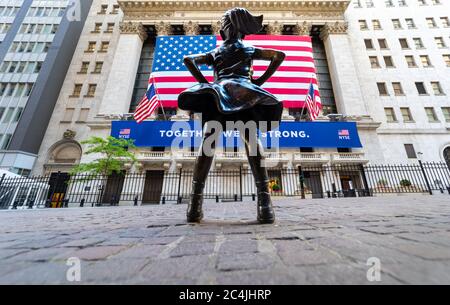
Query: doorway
113,189
58,188
313,184
154,180
350,182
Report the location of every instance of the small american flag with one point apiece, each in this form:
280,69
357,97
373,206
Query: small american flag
290,83
312,103
343,133
125,132
148,103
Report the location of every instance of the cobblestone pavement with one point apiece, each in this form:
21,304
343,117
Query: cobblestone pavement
326,241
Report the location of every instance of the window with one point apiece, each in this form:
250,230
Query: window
418,43
410,23
83,116
431,23
115,9
8,115
2,111
382,88
421,88
363,25
20,90
396,23
109,28
390,115
6,141
104,46
445,22
410,151
374,62
398,90
431,114
406,114
68,115
18,114
425,60
38,67
446,58
446,113
77,90
103,9
91,46
91,90
368,43
439,42
98,67
403,43
410,61
84,67
388,61
437,89
383,44
376,24
3,88
97,28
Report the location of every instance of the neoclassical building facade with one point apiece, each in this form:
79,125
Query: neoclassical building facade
110,69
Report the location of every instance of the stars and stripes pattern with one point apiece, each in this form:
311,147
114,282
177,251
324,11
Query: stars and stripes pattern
148,103
312,103
290,83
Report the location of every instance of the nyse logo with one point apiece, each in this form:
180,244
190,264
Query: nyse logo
344,134
125,133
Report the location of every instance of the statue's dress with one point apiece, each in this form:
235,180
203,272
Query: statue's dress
232,96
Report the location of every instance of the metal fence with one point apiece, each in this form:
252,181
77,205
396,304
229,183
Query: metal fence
160,187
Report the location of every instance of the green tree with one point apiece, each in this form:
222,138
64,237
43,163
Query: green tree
114,154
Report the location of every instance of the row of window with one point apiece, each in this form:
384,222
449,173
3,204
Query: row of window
38,28
4,28
404,44
104,9
92,47
8,11
12,114
391,3
420,86
46,12
98,27
15,89
69,114
410,61
30,47
98,66
79,87
410,24
26,67
407,117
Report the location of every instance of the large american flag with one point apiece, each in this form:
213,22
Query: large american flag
290,83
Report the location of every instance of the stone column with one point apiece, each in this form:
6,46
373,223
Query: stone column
163,28
120,84
303,29
216,25
275,28
346,87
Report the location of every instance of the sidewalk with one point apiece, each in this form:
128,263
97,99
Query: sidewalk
326,241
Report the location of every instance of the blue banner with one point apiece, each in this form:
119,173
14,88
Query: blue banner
288,135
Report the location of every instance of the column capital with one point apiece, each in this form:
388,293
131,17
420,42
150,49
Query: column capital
163,28
133,28
303,28
191,28
337,28
215,26
275,28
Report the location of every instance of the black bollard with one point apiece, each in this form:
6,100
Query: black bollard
82,202
163,200
254,197
217,199
136,201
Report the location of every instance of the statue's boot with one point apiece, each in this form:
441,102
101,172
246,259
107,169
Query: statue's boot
194,211
265,214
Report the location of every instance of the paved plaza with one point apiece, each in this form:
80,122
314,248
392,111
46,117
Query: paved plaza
324,241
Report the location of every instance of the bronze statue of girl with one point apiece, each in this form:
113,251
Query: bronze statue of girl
234,96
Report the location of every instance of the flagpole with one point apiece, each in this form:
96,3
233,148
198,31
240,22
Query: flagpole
157,94
309,114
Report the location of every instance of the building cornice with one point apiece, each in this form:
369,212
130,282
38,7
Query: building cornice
133,28
167,9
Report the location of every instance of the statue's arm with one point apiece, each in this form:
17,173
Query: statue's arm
193,61
275,57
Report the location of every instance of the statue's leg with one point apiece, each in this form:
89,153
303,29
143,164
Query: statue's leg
201,170
255,157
